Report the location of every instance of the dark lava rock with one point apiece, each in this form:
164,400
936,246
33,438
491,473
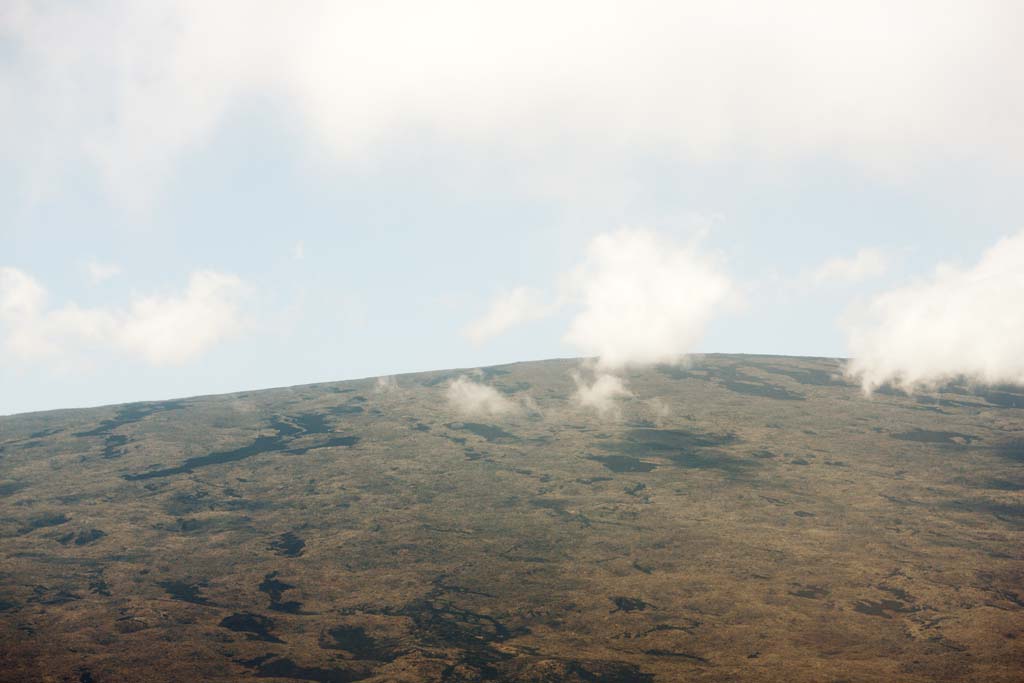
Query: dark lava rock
624,604
256,626
288,545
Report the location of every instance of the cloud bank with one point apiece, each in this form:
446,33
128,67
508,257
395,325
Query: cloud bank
959,323
128,88
161,330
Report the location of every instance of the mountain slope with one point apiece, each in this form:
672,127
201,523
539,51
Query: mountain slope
748,517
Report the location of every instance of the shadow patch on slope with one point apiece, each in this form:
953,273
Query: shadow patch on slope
274,666
1012,450
8,488
132,412
44,521
936,437
185,591
809,376
623,463
489,433
1011,513
286,433
691,450
262,444
288,544
275,588
733,379
255,626
356,642
1004,396
84,537
1000,395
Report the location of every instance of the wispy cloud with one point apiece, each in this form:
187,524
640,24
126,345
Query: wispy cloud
160,329
473,398
101,272
866,263
508,310
600,393
962,322
386,384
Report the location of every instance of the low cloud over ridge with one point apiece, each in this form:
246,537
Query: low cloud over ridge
959,323
645,298
641,298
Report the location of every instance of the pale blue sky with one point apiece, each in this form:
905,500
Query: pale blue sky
411,226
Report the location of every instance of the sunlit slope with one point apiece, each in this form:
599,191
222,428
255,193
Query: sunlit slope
744,518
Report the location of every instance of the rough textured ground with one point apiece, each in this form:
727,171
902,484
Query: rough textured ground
744,519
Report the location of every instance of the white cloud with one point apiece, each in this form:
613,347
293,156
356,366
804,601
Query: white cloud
299,251
29,333
21,297
645,299
163,330
642,299
600,394
101,272
170,330
866,263
129,87
961,322
507,310
472,398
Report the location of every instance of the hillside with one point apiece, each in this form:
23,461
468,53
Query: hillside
746,518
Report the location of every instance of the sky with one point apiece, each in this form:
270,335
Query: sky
204,197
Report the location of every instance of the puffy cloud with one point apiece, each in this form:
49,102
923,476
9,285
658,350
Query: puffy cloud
600,394
866,263
473,398
21,297
32,333
163,330
644,298
129,86
507,310
962,322
170,330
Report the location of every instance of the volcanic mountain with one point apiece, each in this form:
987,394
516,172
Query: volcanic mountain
749,518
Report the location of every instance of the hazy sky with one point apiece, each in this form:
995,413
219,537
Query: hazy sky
200,197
